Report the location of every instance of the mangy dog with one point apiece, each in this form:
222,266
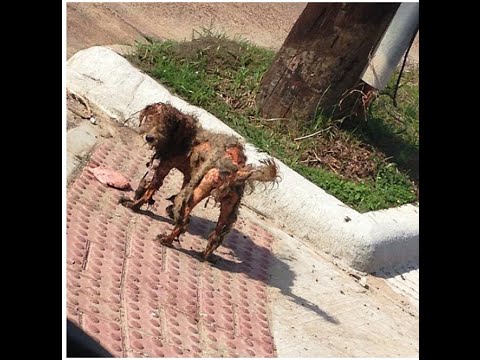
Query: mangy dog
212,165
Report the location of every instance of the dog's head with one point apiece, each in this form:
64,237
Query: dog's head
166,129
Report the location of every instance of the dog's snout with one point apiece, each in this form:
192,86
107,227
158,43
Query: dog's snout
149,138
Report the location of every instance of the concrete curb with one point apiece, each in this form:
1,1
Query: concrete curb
366,242
80,141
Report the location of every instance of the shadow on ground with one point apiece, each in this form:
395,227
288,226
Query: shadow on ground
405,154
244,250
394,271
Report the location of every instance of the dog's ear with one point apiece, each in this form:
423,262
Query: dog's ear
174,123
183,128
189,125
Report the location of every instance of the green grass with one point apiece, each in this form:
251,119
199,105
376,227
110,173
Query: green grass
386,191
395,129
222,76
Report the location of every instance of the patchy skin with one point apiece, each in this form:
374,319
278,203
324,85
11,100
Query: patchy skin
212,165
236,155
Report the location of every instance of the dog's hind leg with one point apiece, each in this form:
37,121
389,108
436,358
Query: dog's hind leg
228,215
186,202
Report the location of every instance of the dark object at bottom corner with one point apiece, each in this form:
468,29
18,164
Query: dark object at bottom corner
79,344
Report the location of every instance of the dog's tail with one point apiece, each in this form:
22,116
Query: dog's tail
266,172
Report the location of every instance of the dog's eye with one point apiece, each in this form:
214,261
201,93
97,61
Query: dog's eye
149,138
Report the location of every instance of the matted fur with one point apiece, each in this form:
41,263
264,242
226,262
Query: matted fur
212,164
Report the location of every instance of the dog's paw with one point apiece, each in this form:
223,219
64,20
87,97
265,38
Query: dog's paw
129,203
125,201
211,258
165,240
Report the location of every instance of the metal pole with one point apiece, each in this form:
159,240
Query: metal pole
392,46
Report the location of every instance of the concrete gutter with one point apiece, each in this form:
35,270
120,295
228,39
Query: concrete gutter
365,242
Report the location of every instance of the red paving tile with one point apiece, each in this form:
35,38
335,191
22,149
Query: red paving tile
141,299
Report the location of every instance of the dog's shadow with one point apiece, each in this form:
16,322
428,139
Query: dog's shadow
245,250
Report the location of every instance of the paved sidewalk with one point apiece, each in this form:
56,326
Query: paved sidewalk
266,295
142,299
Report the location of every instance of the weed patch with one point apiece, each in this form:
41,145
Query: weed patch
368,164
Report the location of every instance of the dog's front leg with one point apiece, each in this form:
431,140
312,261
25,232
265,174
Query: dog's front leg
186,180
146,189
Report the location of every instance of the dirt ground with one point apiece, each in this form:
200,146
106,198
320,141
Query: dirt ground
89,24
265,24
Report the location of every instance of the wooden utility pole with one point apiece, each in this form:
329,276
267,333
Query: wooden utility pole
322,59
